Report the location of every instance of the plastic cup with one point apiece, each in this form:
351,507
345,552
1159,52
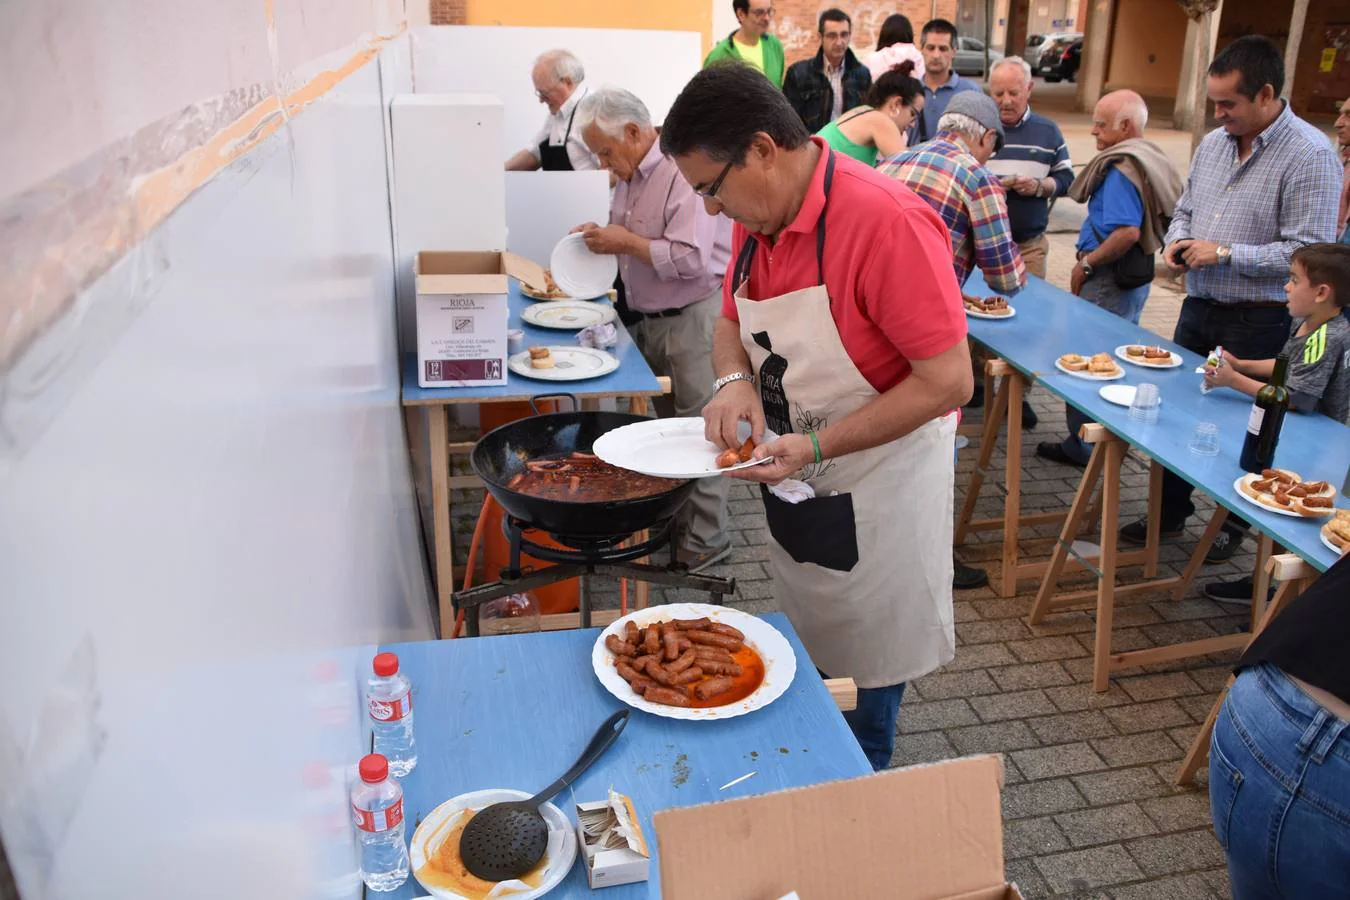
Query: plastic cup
1205,441
1146,402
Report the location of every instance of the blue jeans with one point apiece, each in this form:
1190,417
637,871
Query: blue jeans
873,721
1102,290
1279,790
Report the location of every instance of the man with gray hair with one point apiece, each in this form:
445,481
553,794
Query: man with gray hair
558,77
1131,189
1034,163
671,264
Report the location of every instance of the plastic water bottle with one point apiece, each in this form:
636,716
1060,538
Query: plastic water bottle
389,698
377,809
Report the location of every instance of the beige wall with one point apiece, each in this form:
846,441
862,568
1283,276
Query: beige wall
1146,47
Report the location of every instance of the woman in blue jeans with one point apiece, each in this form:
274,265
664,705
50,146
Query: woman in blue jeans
1279,763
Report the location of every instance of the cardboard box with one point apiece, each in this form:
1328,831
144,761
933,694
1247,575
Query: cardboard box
462,315
613,848
922,833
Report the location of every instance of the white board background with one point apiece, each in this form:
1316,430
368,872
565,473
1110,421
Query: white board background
654,65
541,207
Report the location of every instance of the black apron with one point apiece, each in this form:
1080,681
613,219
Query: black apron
554,158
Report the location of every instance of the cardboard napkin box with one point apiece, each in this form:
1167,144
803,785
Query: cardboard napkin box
931,832
613,848
462,315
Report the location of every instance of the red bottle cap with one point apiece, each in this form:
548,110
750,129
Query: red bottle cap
386,664
374,768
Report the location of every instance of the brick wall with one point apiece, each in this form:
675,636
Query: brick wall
795,21
448,12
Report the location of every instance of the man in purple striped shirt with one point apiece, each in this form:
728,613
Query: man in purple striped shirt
672,258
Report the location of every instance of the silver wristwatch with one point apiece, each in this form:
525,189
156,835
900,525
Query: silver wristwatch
728,379
1224,254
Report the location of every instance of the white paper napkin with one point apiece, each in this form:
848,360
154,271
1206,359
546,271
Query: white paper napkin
792,491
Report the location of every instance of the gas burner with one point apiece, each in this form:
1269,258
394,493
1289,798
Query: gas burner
607,556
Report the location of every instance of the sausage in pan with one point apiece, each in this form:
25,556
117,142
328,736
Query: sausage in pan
712,687
725,641
667,696
687,676
618,647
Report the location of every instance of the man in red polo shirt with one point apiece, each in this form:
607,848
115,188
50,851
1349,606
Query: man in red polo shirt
842,332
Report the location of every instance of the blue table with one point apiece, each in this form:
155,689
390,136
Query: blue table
514,711
633,379
1051,322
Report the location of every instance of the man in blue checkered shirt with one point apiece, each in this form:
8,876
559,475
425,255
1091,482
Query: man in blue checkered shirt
1262,185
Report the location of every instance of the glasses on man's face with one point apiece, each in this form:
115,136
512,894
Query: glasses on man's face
711,190
761,13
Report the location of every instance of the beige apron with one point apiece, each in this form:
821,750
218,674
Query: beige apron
864,570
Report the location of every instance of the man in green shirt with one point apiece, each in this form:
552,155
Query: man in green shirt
751,43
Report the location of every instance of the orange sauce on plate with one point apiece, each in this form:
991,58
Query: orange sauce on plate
445,869
743,685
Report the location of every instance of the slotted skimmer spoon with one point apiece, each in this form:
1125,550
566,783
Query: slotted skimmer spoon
506,840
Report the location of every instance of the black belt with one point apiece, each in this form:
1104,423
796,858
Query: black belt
1245,304
663,314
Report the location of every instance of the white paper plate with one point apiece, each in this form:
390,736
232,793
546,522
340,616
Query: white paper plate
1012,311
580,272
780,663
562,840
1271,507
569,364
568,315
1119,394
1088,376
1173,361
669,448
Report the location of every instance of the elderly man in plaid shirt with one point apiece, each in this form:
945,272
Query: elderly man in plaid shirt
948,173
1261,185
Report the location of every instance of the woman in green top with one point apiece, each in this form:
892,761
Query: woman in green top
876,130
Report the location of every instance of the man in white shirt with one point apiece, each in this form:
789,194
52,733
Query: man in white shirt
558,146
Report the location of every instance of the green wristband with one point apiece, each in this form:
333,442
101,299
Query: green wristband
815,442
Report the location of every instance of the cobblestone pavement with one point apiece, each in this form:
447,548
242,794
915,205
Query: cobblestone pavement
1089,807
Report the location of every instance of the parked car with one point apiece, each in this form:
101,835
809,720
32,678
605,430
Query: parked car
1066,67
970,56
1036,43
1051,54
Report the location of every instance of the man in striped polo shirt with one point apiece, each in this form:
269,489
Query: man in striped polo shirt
1034,163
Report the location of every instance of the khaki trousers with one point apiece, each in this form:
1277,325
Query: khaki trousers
1034,251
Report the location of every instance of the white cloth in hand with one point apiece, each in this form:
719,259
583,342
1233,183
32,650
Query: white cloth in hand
792,491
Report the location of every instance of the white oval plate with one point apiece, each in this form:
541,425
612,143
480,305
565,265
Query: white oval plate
569,364
529,294
1322,532
669,448
1172,363
1088,376
1119,394
780,663
562,840
1271,507
568,315
1012,311
580,272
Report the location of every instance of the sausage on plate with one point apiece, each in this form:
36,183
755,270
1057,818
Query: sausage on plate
667,696
671,639
692,624
712,687
631,633
657,673
684,661
712,639
720,654
653,641
618,647
729,631
687,676
714,667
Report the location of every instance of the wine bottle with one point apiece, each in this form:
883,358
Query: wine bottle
1266,419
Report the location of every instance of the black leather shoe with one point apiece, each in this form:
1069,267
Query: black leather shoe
1029,418
965,578
1054,452
1225,545
1237,592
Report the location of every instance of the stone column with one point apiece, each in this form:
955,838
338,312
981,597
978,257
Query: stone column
1198,53
1096,52
1297,22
